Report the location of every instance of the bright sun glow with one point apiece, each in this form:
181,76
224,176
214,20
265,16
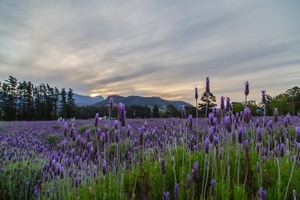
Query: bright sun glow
94,94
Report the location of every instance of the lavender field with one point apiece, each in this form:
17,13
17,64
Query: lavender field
225,156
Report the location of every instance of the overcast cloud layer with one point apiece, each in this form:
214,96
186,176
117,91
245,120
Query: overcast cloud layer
153,48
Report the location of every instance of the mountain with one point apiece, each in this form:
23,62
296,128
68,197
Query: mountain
149,101
82,100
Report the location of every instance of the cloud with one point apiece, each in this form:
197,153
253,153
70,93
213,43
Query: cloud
149,48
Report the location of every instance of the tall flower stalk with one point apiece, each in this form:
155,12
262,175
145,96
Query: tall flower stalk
264,101
207,92
246,92
196,98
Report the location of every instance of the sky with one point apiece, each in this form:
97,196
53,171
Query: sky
153,48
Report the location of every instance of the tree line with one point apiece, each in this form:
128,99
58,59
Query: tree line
22,100
132,111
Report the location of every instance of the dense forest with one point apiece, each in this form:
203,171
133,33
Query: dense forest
25,101
21,100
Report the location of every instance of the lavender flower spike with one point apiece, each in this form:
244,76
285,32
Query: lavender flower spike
195,171
263,97
262,193
121,113
206,145
96,119
167,195
222,106
176,191
246,88
207,89
104,166
213,184
196,93
228,104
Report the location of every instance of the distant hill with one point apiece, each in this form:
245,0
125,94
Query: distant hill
149,101
82,100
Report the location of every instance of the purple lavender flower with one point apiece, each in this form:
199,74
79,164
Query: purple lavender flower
228,104
216,140
117,135
270,124
88,134
207,90
222,106
258,135
121,113
195,171
104,166
246,88
167,195
196,93
65,129
262,193
227,123
36,194
176,191
116,123
206,145
96,119
213,184
247,115
263,97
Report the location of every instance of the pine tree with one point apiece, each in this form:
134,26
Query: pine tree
71,106
208,101
63,103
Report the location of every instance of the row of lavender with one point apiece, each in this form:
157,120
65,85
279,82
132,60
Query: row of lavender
48,159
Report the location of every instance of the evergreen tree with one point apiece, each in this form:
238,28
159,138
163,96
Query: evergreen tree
208,101
10,98
70,106
4,103
63,103
56,103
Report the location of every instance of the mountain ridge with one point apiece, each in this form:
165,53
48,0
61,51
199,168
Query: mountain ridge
140,100
82,100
